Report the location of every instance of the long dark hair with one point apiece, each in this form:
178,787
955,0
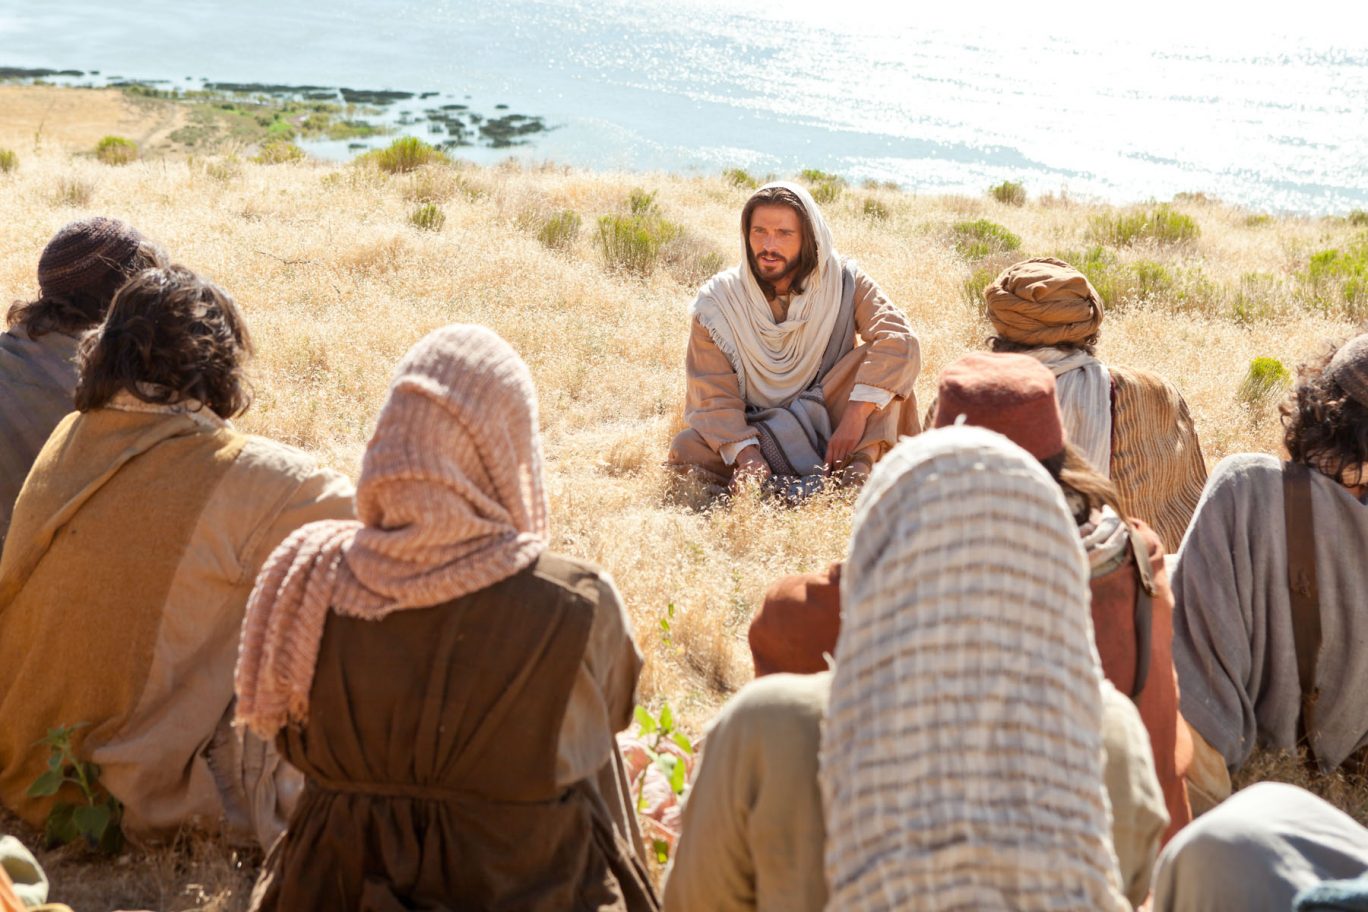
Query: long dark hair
75,311
807,255
1075,475
1325,428
170,336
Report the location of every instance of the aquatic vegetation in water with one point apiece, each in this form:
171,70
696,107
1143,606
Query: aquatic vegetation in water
116,150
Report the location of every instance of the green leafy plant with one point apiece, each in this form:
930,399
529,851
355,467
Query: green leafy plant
405,154
741,178
656,732
1159,224
1009,193
560,230
1336,280
116,150
825,187
981,237
427,217
1266,376
95,816
278,152
875,210
8,161
632,243
639,202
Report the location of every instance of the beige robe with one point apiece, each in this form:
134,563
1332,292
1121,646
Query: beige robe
135,543
887,359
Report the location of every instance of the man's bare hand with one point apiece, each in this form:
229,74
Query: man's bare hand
848,434
751,468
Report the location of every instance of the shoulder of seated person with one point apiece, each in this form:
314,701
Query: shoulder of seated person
262,454
774,699
571,574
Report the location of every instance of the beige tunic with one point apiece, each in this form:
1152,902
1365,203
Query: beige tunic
887,367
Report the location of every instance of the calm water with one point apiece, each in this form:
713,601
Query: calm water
1265,111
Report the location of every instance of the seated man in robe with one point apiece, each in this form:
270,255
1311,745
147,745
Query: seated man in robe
79,271
1132,425
778,384
1271,583
132,551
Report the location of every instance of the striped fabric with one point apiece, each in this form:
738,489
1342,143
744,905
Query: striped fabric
961,760
1083,388
37,378
1156,463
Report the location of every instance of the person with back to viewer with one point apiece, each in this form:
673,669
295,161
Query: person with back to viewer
133,548
1271,583
79,271
777,384
1131,424
448,685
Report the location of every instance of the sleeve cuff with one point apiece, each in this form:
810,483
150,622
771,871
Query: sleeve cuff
729,450
863,392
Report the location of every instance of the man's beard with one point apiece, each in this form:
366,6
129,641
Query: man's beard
789,267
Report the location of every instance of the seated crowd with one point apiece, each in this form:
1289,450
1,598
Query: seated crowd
1000,697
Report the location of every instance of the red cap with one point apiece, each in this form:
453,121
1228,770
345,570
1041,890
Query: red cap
1011,394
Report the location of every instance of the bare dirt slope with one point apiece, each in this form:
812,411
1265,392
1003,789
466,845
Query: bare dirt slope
74,120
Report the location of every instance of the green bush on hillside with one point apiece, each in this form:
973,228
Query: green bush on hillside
1009,193
428,217
740,178
278,152
1258,220
1358,218
639,202
981,237
8,161
116,150
1160,224
1336,280
875,210
825,187
1266,376
560,230
632,243
405,154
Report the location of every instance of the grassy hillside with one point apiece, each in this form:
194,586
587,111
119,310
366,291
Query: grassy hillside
340,268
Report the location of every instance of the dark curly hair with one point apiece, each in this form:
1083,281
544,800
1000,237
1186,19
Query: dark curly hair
170,336
1003,344
807,254
77,310
1323,427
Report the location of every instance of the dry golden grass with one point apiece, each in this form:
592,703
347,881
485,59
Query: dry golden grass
336,285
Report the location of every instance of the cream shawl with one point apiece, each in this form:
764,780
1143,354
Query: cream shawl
1083,387
961,760
450,501
774,362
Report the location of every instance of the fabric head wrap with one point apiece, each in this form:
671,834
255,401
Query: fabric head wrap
1042,302
961,758
774,362
1349,368
1011,394
450,501
84,253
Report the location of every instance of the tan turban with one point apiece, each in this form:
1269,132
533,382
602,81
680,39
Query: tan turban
1042,302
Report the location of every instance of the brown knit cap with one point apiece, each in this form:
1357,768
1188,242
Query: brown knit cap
84,253
1043,301
1011,394
1349,368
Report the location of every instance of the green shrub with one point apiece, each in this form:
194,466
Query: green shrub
825,188
1358,218
1266,376
741,178
403,155
980,238
1152,280
639,202
95,816
115,150
1161,224
1337,280
428,217
278,152
632,243
1009,193
1253,302
560,230
972,288
875,210
8,161
690,259
72,191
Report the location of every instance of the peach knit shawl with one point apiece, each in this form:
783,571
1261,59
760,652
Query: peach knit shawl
450,501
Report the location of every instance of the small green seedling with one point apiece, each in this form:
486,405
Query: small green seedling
658,730
95,817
